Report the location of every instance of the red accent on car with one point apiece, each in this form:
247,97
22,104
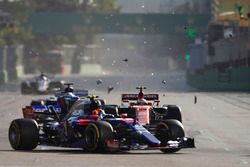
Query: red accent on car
135,97
93,116
84,121
128,120
112,144
140,95
124,115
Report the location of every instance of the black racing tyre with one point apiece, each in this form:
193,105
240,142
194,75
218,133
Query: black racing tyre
169,130
25,89
23,134
96,134
174,112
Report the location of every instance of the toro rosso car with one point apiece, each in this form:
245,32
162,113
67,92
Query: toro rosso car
54,107
147,109
41,85
90,124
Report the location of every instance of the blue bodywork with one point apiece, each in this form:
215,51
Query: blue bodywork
132,125
44,108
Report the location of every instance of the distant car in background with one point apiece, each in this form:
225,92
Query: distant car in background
41,84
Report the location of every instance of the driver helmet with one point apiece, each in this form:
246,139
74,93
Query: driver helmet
142,101
43,76
95,104
96,107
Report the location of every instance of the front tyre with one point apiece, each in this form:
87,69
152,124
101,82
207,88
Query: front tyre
96,134
169,130
23,134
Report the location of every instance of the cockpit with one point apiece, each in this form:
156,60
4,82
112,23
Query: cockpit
81,108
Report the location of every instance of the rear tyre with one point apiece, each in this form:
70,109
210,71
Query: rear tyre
169,130
174,112
23,134
96,134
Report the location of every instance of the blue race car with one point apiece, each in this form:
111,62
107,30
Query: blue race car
95,127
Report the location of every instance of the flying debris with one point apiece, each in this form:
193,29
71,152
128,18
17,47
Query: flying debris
117,83
99,81
110,88
125,60
164,81
195,99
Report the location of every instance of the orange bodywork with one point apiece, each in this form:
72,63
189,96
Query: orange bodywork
142,113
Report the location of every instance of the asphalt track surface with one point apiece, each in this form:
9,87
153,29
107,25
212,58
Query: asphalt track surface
219,122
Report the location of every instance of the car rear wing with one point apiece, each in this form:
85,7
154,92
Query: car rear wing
135,97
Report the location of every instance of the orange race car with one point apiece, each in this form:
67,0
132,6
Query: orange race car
146,108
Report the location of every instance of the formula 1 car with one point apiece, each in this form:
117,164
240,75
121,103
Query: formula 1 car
60,103
41,85
93,126
147,109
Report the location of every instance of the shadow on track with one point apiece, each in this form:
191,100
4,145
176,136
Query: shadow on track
77,151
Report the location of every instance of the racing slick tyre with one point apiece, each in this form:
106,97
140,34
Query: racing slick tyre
174,112
169,130
96,134
23,134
